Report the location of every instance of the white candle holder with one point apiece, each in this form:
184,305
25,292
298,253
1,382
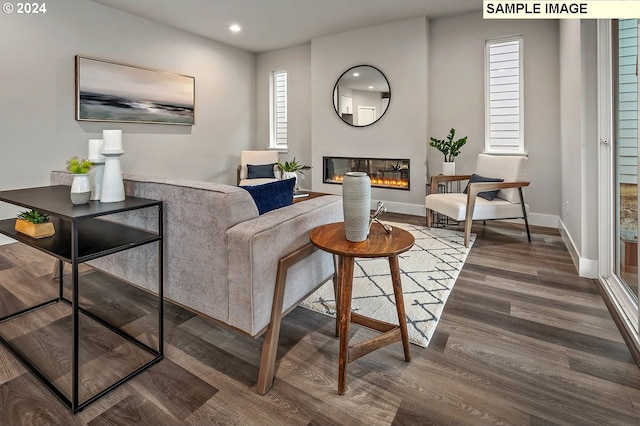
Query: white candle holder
96,176
112,186
97,167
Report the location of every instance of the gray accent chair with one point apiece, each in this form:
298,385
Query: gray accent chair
222,259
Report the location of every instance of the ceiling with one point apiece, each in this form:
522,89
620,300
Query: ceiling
274,24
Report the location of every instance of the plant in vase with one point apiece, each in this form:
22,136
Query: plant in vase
450,148
290,169
35,224
80,186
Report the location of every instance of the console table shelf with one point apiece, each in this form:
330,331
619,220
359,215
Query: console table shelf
96,238
82,234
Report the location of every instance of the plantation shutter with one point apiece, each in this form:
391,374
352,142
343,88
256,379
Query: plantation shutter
504,96
279,139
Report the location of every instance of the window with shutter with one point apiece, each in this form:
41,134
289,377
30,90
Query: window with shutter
503,96
278,110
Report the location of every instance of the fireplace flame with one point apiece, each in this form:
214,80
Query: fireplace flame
378,181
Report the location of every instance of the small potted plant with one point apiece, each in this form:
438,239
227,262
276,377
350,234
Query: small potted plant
450,148
34,224
289,169
80,186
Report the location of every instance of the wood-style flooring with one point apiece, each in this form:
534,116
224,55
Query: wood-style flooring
523,340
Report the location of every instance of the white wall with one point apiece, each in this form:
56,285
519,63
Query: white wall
456,84
400,50
579,143
570,127
37,102
297,62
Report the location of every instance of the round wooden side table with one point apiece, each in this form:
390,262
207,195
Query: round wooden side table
331,238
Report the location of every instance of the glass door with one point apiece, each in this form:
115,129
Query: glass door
625,161
618,170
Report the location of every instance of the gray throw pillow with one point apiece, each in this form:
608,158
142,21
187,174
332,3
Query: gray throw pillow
487,195
257,171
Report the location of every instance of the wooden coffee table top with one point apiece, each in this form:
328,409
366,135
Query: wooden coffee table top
331,238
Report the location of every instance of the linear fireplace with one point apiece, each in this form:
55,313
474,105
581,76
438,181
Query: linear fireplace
390,173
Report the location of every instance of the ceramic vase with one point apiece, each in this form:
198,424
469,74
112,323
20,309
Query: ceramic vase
97,167
80,189
356,205
289,175
448,168
112,189
95,178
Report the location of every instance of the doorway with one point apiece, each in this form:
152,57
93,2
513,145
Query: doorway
366,115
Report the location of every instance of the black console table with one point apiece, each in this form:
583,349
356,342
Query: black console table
82,234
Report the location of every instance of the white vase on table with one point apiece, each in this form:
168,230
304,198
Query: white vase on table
289,175
80,188
356,205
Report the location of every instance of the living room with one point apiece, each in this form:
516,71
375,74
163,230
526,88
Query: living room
436,72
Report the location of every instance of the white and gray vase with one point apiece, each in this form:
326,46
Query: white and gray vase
80,189
356,205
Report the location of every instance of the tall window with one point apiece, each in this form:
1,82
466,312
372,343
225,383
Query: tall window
278,110
503,96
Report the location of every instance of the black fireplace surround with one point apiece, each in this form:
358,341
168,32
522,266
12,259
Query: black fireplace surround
392,173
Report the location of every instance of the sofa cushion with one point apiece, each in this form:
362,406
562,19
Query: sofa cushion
487,195
257,171
273,195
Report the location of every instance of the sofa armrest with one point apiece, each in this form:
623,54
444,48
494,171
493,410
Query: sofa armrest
254,249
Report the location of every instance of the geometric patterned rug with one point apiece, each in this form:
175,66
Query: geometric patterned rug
428,272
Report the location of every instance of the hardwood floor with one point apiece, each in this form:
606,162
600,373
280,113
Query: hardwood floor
522,340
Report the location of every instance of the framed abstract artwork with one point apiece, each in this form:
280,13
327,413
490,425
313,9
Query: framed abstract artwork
110,91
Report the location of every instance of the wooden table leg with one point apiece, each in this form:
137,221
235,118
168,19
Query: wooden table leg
345,283
397,291
336,291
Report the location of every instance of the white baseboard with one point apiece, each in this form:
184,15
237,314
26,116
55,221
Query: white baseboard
544,220
587,268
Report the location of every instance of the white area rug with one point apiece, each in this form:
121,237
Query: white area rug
428,272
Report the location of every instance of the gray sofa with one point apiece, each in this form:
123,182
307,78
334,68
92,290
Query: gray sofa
221,257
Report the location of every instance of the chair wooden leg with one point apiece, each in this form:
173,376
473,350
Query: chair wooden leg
468,221
467,232
429,218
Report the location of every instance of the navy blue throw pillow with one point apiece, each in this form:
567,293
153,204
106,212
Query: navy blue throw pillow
256,171
487,195
272,195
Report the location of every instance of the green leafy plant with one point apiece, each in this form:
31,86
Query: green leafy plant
449,147
292,166
34,216
78,166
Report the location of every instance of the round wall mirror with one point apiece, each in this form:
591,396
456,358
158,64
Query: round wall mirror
361,95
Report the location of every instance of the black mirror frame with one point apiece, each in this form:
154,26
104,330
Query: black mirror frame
335,88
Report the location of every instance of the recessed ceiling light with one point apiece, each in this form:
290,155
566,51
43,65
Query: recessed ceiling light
370,87
355,74
235,28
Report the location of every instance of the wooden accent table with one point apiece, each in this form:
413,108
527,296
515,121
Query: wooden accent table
331,238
